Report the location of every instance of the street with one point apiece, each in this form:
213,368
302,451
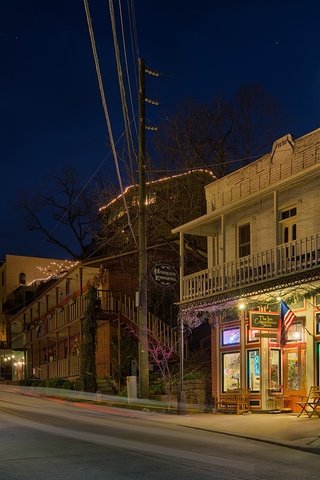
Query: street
53,439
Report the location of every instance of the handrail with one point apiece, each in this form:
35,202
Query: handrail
112,302
124,305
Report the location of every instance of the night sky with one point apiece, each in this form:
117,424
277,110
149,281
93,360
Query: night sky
51,113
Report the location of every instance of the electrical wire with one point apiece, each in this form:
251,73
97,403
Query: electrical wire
127,70
106,112
129,139
134,47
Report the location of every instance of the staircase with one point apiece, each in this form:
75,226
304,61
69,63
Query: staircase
115,306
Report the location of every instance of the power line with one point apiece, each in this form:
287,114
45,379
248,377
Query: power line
106,112
127,70
130,145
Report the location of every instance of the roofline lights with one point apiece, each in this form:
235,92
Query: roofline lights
159,180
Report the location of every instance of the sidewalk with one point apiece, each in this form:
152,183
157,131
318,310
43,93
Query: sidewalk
281,429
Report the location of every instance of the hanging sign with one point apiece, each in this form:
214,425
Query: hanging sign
164,275
264,320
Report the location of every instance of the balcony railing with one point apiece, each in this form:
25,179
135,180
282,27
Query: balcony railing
298,256
64,368
109,302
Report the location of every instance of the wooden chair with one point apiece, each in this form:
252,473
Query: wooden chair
310,405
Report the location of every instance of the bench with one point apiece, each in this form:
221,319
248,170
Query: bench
310,405
235,401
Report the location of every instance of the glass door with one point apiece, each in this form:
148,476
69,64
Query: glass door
294,375
318,362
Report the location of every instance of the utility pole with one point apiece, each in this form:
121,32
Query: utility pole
142,302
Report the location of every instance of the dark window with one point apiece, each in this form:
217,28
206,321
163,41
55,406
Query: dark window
292,212
294,231
244,240
22,279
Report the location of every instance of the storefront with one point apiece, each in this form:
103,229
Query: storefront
247,353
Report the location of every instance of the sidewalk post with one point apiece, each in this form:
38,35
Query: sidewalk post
181,395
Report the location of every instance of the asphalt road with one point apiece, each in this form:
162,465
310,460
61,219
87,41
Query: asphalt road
47,439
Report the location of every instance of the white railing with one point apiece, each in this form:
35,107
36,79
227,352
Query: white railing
298,256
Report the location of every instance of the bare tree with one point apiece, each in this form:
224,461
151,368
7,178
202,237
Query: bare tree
223,136
195,136
256,118
66,216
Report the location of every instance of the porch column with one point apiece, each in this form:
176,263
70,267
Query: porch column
81,280
242,346
276,229
181,267
223,248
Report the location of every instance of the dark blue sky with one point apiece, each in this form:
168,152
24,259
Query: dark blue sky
51,112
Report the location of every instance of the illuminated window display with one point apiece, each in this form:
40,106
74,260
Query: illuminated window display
274,369
293,371
230,336
254,370
296,332
231,370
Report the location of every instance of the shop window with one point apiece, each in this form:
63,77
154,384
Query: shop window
317,323
275,369
295,332
253,362
298,304
230,336
231,371
244,240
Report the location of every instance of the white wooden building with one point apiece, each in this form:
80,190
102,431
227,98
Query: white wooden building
263,245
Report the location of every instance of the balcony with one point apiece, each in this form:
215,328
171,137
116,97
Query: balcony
299,256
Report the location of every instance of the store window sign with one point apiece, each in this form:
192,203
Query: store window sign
264,320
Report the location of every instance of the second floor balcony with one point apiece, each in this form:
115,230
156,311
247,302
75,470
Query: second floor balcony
299,256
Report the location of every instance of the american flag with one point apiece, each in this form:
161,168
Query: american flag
287,317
